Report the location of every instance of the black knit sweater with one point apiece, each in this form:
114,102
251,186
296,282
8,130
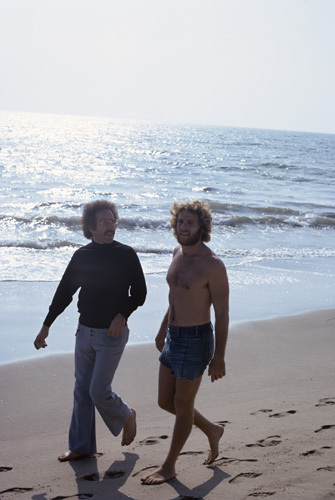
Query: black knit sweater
110,279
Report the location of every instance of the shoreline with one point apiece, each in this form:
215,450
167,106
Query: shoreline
25,304
233,327
276,403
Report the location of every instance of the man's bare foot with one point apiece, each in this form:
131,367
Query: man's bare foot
214,440
158,476
71,455
129,429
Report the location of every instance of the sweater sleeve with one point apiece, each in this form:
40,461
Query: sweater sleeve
137,288
67,287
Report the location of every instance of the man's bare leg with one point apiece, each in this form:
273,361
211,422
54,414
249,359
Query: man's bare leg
166,394
129,429
213,432
185,392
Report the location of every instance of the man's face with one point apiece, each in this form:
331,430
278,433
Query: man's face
188,229
105,226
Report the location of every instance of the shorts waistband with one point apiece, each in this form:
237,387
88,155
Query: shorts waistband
196,329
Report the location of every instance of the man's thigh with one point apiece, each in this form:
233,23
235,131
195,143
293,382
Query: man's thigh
166,388
186,391
171,389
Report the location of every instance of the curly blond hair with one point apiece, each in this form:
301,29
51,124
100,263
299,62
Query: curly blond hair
196,207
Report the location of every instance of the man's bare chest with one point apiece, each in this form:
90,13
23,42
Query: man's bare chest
187,273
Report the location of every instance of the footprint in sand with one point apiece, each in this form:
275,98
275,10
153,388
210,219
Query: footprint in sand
269,441
191,453
325,427
16,490
91,477
264,410
283,414
227,460
109,474
223,422
115,474
145,469
187,497
262,494
81,496
152,440
244,475
326,402
316,452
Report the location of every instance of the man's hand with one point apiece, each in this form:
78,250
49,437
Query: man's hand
116,326
160,340
216,369
40,339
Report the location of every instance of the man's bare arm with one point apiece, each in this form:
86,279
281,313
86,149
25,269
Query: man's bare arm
219,290
161,335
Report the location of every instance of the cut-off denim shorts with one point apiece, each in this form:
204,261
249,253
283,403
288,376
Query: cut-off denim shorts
188,350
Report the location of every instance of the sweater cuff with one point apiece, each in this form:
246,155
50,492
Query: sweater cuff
125,313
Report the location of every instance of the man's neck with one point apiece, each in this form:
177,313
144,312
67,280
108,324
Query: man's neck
196,249
102,243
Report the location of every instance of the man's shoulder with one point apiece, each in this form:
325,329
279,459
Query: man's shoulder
117,245
214,261
176,250
210,255
83,248
123,251
81,253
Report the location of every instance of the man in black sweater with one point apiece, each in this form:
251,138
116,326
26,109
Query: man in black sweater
112,286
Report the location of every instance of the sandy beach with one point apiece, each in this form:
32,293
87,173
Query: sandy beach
276,403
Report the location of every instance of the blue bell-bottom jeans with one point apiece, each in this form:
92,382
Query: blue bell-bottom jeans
96,359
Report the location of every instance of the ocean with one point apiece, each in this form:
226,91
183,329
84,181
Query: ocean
271,195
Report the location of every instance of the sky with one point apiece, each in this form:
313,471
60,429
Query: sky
243,63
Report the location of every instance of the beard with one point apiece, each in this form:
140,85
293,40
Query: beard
188,241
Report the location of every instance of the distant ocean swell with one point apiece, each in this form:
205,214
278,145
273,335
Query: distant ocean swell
235,253
223,214
271,195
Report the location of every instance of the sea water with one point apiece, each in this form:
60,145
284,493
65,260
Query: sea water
271,194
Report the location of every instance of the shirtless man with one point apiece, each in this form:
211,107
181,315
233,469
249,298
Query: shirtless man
197,279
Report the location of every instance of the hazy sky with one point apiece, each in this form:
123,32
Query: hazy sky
247,63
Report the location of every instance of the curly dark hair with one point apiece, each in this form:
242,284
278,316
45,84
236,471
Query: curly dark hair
88,221
198,208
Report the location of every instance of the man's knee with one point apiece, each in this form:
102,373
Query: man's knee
166,404
183,406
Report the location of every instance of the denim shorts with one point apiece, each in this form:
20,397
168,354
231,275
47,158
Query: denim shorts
188,350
